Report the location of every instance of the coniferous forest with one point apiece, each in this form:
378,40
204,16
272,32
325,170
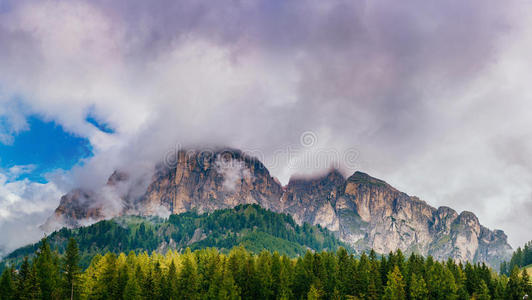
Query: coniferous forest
240,274
250,226
520,258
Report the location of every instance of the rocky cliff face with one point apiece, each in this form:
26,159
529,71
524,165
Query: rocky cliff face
205,181
364,211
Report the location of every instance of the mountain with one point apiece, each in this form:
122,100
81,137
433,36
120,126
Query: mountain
250,226
365,212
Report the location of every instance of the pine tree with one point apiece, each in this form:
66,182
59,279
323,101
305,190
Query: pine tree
418,288
276,273
132,289
47,271
362,280
172,281
483,292
499,293
188,279
264,275
34,288
395,287
302,279
71,271
228,289
286,278
313,293
448,285
107,283
525,282
514,288
27,284
7,285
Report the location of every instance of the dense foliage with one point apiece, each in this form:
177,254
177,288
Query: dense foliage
251,226
240,274
520,258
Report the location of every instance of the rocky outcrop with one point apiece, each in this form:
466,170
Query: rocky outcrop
363,211
205,181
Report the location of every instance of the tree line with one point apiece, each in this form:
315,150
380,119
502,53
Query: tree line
250,225
521,257
241,274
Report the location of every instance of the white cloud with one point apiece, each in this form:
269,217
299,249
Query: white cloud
233,171
24,205
436,106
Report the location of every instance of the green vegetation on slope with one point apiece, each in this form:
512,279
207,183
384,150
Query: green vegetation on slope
520,258
240,274
249,225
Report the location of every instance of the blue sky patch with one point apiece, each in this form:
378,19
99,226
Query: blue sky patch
43,148
104,127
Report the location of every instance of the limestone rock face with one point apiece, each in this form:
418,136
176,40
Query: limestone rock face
206,181
363,211
312,200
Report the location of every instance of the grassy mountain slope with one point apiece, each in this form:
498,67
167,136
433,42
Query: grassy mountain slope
248,225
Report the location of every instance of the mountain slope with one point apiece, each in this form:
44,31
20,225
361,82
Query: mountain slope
251,226
363,211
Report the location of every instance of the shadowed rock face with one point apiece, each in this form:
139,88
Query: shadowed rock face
364,211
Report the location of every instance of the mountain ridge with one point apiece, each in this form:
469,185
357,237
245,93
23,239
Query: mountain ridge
365,212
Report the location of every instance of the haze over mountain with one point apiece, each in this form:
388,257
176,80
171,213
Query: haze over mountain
364,212
433,96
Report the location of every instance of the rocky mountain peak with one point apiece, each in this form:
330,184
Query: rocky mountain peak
363,211
363,178
117,177
332,176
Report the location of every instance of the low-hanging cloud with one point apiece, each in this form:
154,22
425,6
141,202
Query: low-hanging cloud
433,95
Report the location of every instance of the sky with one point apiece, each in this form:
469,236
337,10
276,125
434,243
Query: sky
432,96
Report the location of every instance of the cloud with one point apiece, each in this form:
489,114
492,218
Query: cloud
16,171
433,96
233,171
23,207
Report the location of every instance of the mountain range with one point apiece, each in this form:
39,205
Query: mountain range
362,211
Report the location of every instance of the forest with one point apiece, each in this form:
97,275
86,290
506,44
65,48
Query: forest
250,226
521,257
242,274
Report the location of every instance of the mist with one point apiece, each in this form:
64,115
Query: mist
432,97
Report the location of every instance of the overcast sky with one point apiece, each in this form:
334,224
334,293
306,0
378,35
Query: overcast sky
432,96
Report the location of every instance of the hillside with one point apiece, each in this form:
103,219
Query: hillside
521,258
251,226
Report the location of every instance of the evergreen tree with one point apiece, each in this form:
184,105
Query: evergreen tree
210,274
71,271
313,293
483,292
107,281
514,288
285,279
7,285
172,281
265,278
276,273
448,285
28,287
132,289
46,264
395,287
525,282
362,279
418,288
228,289
188,278
499,293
